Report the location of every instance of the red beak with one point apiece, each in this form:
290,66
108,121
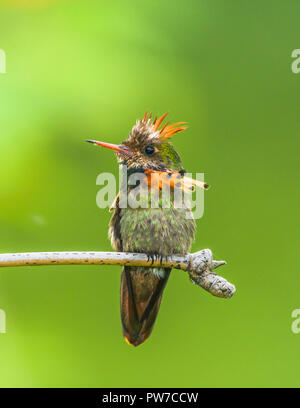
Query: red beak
118,148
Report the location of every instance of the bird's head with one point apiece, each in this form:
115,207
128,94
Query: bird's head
148,150
148,145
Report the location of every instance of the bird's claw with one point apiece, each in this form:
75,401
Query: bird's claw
157,257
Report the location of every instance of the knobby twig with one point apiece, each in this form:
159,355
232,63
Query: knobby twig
199,265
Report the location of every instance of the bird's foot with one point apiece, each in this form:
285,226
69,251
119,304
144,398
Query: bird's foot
152,257
163,258
157,257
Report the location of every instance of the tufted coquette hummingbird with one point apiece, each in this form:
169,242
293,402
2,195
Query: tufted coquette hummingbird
157,230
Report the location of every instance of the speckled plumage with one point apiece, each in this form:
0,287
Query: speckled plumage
156,231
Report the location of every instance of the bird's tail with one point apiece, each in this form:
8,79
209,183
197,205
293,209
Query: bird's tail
141,293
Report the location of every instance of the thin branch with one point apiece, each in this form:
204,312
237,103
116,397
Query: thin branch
199,265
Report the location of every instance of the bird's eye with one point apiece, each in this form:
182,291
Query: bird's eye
149,150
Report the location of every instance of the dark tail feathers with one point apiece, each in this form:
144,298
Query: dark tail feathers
141,293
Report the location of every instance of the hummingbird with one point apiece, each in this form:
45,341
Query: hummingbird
157,230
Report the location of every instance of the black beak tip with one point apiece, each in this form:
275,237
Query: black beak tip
90,141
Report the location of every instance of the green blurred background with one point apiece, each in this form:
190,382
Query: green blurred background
88,69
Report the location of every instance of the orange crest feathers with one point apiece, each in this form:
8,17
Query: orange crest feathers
167,131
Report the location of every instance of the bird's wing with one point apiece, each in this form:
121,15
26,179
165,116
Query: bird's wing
114,231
